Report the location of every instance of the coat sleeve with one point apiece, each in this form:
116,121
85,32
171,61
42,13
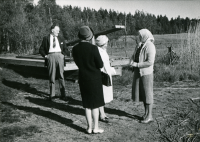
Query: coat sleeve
150,53
97,58
133,56
42,48
66,51
106,63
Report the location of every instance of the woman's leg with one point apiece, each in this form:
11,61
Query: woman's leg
88,115
95,115
149,111
102,112
147,84
149,117
145,111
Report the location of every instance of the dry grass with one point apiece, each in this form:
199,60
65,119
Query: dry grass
186,49
182,126
28,116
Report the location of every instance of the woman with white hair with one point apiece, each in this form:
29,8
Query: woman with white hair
102,42
143,62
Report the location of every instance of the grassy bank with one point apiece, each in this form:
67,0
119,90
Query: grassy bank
26,115
183,63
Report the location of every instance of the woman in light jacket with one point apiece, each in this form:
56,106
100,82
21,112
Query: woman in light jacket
102,42
143,62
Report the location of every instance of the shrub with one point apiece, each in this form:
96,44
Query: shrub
126,78
187,67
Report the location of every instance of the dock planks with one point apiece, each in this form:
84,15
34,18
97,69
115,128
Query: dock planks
38,61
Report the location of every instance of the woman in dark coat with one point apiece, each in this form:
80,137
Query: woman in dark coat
89,62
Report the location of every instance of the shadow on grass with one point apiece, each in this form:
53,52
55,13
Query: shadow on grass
122,113
30,71
108,110
60,106
24,87
35,72
77,102
47,114
56,105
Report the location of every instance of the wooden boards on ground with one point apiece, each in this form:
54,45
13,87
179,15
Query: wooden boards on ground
37,61
33,62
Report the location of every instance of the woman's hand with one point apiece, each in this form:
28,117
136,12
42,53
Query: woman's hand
133,64
130,62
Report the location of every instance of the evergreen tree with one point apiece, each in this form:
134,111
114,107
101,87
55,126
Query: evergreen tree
23,25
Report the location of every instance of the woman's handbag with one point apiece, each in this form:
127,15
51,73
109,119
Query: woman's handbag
105,79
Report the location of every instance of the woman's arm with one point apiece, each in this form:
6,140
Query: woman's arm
151,52
131,61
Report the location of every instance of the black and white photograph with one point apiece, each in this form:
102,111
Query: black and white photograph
99,70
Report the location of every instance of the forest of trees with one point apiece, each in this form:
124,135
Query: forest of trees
23,24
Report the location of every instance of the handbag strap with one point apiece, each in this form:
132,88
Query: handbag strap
105,69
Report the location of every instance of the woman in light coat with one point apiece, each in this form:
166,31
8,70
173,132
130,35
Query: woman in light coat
102,42
143,62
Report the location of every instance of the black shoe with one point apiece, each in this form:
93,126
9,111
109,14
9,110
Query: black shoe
49,99
53,98
64,98
105,119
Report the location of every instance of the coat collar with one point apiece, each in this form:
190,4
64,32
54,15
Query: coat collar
59,40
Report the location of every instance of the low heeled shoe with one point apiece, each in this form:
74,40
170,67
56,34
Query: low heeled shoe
98,131
105,119
147,121
89,131
64,98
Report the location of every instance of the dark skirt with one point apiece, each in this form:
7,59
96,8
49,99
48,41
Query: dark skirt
142,87
92,93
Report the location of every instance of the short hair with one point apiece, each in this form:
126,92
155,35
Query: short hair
54,25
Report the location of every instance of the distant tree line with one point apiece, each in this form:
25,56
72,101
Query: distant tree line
22,24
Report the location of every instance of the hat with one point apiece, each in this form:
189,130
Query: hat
85,33
101,40
146,35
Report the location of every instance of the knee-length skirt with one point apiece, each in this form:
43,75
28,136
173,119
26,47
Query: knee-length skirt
142,87
92,93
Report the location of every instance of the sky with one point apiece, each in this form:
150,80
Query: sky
170,8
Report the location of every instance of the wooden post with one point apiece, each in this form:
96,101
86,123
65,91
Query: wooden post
170,54
7,42
50,17
111,45
125,36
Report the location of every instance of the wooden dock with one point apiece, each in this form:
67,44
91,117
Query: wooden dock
38,61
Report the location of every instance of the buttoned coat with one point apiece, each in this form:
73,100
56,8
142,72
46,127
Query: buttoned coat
87,58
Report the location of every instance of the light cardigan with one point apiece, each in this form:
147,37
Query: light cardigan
105,58
146,58
107,90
